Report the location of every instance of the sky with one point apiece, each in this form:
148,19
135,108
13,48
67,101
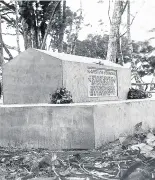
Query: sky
93,12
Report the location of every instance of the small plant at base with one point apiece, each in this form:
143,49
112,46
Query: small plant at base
61,96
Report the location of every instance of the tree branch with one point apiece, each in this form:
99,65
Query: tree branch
6,13
10,34
130,25
123,9
10,6
7,51
11,47
109,12
7,19
8,59
3,8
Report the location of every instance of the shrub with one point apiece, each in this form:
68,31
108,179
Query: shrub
61,96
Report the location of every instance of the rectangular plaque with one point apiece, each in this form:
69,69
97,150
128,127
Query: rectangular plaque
102,82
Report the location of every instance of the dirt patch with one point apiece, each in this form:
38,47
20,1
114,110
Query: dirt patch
130,157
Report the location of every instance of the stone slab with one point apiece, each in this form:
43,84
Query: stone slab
47,127
72,126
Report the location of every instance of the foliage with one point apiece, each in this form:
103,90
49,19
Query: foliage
138,94
34,17
96,46
61,96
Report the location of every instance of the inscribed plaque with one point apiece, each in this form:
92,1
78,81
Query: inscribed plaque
102,82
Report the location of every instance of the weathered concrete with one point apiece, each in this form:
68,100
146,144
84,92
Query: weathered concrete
31,76
75,78
54,127
113,118
72,126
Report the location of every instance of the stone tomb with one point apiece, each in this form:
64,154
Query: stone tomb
34,74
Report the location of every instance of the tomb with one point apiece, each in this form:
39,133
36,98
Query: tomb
99,114
35,74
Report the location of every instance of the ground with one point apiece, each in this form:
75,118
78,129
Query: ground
129,157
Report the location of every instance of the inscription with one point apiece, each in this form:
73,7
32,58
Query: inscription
102,82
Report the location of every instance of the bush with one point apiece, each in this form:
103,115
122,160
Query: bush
61,96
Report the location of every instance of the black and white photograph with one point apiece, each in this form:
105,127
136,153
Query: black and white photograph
77,90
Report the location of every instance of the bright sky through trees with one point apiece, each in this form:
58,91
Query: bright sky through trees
93,12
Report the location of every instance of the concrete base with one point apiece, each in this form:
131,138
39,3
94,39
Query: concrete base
72,126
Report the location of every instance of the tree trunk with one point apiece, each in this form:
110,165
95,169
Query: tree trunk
17,27
78,26
1,44
35,38
114,31
63,21
73,45
69,39
49,26
25,33
29,39
1,57
119,55
130,49
135,74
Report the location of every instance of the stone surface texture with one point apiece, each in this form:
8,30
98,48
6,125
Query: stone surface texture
72,126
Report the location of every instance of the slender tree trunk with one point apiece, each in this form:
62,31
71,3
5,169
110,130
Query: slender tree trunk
119,55
114,31
61,34
78,26
1,57
1,43
69,39
137,77
49,26
25,33
73,46
17,26
129,32
35,37
30,39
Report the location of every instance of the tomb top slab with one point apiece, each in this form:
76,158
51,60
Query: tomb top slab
81,59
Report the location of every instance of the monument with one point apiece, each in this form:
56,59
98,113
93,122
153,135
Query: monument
34,74
29,120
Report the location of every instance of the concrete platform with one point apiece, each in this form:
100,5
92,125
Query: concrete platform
72,126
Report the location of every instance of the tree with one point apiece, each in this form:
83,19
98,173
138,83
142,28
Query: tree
39,21
62,26
17,26
49,26
78,22
94,46
114,31
1,44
